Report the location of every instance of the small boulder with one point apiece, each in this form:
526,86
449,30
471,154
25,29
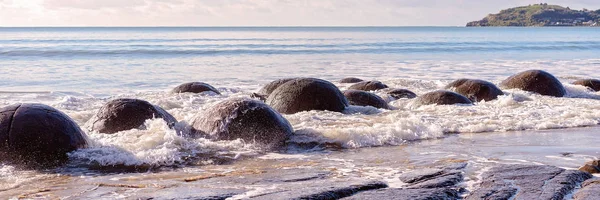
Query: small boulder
401,94
368,86
266,90
306,94
442,97
195,87
125,114
351,80
37,135
475,90
593,84
537,81
362,98
247,119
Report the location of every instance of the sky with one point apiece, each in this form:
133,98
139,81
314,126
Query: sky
258,12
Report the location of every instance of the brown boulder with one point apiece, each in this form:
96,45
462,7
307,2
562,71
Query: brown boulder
593,84
304,94
195,87
125,114
537,81
368,86
351,80
442,97
362,98
475,90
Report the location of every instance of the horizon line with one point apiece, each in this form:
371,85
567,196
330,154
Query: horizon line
301,26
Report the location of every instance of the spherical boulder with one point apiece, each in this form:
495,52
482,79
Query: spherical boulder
125,114
351,80
475,90
195,87
266,90
401,93
537,81
362,98
368,86
442,97
37,135
593,84
250,120
306,94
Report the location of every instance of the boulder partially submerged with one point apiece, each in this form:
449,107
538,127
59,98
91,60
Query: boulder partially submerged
351,80
537,81
401,94
475,90
368,86
362,98
125,114
441,97
593,84
247,119
305,94
37,135
195,87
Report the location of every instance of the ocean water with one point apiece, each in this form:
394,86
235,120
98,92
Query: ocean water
77,70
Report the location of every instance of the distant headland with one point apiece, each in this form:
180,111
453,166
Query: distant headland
541,15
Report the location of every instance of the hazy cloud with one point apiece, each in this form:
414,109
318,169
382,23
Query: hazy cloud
257,12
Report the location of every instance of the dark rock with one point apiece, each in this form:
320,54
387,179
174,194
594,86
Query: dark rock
475,90
323,189
269,88
306,94
537,81
593,84
590,189
420,174
362,98
351,80
247,119
37,135
408,194
444,180
401,93
442,97
368,86
527,182
195,87
125,114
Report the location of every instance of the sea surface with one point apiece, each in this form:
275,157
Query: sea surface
77,70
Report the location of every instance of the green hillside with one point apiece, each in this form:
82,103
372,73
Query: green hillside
540,15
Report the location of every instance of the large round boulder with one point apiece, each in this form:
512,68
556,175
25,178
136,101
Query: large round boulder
306,94
537,81
442,97
368,86
351,80
250,120
475,90
37,135
593,84
401,94
195,87
266,90
125,114
362,98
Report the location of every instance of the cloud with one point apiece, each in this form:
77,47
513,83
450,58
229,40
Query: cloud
257,12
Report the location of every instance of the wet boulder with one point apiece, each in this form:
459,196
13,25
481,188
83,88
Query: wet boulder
442,97
537,81
247,119
266,90
593,84
37,135
306,94
368,86
401,94
125,114
351,80
475,90
362,98
195,87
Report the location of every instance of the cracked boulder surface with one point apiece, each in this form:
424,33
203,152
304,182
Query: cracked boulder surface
423,184
590,189
368,86
195,87
305,94
247,119
37,135
362,98
527,182
125,114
